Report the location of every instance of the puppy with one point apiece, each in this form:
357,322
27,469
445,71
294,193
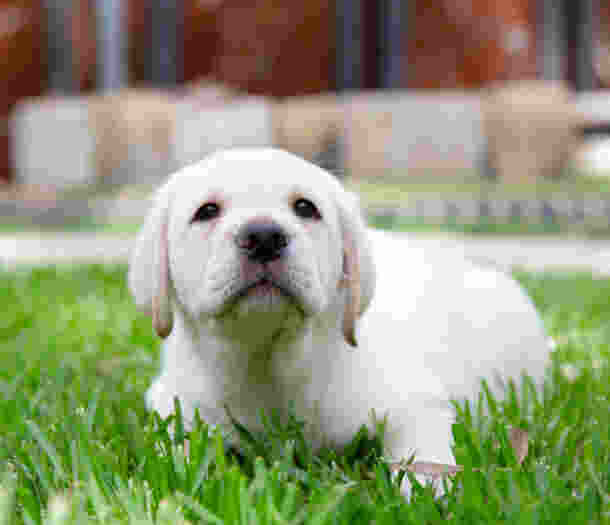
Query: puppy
260,274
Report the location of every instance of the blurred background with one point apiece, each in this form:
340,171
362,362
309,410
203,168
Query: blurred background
477,116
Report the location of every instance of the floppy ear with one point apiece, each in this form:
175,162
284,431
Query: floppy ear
149,266
358,265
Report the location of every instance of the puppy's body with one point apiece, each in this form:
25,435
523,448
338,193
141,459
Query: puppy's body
434,327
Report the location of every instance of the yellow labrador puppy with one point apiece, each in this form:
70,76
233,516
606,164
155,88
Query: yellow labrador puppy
260,274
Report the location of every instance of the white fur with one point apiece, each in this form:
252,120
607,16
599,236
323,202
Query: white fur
435,326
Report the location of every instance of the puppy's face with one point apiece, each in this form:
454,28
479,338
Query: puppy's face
252,231
250,235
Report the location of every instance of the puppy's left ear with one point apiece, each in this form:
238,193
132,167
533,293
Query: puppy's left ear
358,265
149,278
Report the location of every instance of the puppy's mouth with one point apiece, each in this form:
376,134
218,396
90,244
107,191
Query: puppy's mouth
264,286
264,292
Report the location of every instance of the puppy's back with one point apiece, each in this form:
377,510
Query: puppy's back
461,321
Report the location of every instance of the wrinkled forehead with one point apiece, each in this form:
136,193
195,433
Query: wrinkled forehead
252,178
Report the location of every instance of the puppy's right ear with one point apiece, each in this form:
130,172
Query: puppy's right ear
149,266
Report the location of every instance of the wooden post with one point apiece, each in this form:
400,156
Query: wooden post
165,61
112,63
393,25
349,48
551,45
581,22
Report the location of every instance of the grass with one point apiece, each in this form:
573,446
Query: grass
396,193
78,446
494,228
396,223
85,225
391,191
398,190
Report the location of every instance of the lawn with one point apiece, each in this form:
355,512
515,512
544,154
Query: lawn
399,189
481,228
77,445
493,228
386,193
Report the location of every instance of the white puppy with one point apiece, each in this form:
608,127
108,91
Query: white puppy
258,270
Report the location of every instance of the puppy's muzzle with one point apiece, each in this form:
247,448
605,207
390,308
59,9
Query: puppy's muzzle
262,242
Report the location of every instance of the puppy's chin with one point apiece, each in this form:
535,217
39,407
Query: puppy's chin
257,313
235,300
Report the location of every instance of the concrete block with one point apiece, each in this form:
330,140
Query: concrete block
595,208
532,129
413,134
467,210
199,131
120,210
593,107
53,144
132,130
306,125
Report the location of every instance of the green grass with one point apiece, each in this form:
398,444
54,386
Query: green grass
585,230
387,191
82,226
398,190
77,444
396,193
493,228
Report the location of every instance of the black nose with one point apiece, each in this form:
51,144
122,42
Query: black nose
261,242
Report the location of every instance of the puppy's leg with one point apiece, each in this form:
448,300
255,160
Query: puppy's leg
429,439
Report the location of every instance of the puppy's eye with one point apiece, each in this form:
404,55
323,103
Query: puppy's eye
208,211
306,209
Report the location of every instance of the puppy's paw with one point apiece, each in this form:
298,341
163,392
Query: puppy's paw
437,476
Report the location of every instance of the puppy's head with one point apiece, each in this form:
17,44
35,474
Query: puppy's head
252,233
